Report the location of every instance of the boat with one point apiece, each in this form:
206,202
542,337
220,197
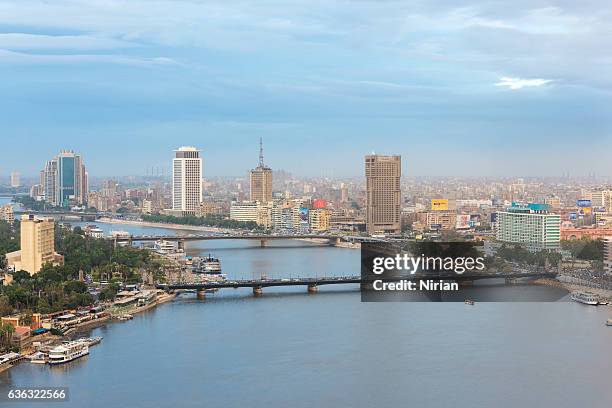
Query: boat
91,341
469,302
207,265
609,322
586,298
39,358
125,317
67,352
164,247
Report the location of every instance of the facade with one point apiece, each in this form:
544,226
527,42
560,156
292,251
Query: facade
383,194
186,181
440,220
37,245
261,180
319,219
244,211
7,214
65,180
608,255
531,226
50,181
599,198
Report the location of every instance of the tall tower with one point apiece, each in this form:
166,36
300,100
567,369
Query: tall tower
383,203
261,179
187,180
65,180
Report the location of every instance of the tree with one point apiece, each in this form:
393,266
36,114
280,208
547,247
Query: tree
6,335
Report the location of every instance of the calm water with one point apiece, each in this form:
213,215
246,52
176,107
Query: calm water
290,349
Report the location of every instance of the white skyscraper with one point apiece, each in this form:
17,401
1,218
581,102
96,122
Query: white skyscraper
186,180
15,179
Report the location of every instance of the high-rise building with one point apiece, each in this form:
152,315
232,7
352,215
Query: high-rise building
15,179
37,245
608,255
65,180
261,180
186,181
531,226
383,201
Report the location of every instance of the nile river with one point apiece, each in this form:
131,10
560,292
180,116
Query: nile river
291,349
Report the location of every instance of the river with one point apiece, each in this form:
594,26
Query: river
291,349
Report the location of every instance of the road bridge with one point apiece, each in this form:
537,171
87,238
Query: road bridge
313,283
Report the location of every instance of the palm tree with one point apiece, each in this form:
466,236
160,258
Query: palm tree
6,335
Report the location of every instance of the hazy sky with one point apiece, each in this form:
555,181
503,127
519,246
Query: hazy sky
457,88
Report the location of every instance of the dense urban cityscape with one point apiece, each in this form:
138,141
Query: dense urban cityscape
63,274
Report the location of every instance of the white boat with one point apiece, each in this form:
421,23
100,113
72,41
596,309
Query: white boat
67,352
208,265
164,247
609,322
91,341
38,358
586,298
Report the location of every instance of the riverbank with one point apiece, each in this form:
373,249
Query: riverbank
105,220
571,287
161,299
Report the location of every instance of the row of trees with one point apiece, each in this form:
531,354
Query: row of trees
585,249
208,220
523,256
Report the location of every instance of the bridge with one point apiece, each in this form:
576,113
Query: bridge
62,215
313,283
262,238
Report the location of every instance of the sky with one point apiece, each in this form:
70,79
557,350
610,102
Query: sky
467,88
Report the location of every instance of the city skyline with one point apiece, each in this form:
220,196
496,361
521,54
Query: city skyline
449,86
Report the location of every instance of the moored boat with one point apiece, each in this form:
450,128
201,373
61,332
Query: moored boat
586,298
67,352
208,265
609,322
39,358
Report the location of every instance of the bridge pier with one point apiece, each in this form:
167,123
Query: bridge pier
312,289
257,291
263,243
201,294
181,245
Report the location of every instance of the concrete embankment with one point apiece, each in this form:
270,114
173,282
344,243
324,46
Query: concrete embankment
571,287
161,299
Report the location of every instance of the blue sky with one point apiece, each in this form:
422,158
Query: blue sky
455,87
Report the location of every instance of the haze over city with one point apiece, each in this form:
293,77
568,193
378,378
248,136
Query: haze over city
455,87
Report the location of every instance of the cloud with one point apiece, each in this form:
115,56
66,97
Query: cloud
520,83
24,41
13,57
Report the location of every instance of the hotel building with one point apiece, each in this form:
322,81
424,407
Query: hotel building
531,226
37,245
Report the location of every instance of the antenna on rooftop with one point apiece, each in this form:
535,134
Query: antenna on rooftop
261,156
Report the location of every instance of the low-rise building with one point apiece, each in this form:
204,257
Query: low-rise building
7,214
